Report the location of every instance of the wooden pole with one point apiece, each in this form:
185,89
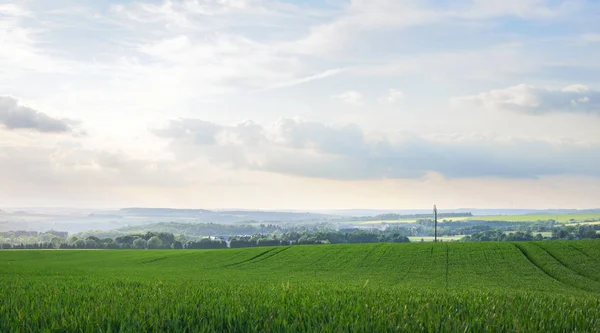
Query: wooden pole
435,223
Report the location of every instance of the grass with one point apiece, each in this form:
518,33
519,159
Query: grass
467,287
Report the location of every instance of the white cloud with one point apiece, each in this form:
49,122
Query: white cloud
530,100
494,64
318,76
9,11
519,8
70,165
362,17
359,17
576,88
351,97
392,96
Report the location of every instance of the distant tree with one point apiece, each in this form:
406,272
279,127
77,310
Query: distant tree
166,238
154,242
207,243
93,238
268,242
127,239
91,243
140,243
56,242
108,243
177,245
242,242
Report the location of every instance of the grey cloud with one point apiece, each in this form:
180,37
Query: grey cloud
536,101
15,116
347,140
313,149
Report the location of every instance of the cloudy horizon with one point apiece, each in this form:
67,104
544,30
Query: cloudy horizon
332,104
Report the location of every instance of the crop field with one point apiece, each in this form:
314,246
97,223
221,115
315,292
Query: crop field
562,218
448,287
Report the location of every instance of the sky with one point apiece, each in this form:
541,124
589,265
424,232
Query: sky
332,104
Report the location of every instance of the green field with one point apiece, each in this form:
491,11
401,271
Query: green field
562,218
404,221
432,238
448,287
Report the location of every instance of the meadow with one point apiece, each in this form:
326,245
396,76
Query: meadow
468,287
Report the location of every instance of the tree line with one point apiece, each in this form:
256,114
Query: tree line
558,233
164,240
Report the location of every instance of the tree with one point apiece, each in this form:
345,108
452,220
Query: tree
91,243
139,243
56,242
93,238
154,242
166,238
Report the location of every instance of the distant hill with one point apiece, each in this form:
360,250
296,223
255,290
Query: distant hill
226,216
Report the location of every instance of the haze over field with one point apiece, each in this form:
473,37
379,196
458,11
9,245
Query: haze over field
266,104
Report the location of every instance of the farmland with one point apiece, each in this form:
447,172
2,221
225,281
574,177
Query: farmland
561,218
369,287
406,221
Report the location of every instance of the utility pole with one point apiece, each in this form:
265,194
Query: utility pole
435,223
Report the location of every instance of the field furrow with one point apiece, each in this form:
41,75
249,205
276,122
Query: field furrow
555,269
575,260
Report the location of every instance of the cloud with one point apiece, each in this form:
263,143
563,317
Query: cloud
360,18
527,99
319,76
351,97
70,165
12,10
481,9
194,131
15,116
590,38
392,96
313,149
